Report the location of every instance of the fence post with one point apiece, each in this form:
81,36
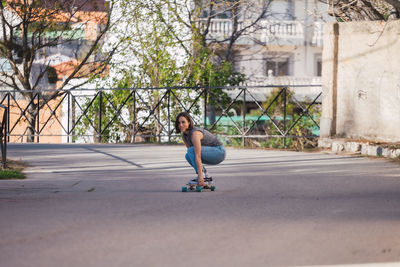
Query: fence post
4,155
169,115
134,115
73,116
68,115
284,116
205,107
8,115
244,117
37,117
3,133
100,113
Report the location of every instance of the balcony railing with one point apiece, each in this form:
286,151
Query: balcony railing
288,80
304,88
267,30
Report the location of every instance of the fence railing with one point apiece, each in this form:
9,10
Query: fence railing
148,114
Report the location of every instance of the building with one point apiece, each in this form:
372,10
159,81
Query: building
283,48
70,31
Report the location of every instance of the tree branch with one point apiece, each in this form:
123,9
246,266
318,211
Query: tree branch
92,49
394,3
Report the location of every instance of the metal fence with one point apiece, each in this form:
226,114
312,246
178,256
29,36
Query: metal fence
148,114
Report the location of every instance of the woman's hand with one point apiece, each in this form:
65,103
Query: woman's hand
200,181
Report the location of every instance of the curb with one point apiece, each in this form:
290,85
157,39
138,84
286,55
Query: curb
366,148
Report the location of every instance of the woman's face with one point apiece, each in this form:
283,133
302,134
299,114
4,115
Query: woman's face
183,124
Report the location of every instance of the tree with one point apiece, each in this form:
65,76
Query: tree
158,51
245,18
200,59
358,10
196,18
188,24
170,43
30,30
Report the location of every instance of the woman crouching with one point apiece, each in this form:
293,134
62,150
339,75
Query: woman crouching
202,147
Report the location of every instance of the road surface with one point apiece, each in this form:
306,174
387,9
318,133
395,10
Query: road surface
121,205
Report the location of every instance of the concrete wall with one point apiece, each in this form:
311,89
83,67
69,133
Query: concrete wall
361,81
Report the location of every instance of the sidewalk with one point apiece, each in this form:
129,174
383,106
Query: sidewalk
363,147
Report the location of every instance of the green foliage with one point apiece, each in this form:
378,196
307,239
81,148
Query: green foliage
275,125
203,71
157,61
8,174
109,124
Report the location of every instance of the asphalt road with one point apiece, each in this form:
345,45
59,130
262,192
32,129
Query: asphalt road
121,205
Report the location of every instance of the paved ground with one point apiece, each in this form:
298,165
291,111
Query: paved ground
121,205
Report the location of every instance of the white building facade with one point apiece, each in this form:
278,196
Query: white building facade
286,47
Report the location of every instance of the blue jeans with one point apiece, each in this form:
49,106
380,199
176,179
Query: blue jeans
211,155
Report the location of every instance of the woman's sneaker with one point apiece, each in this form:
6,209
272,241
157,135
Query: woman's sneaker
206,175
207,179
192,182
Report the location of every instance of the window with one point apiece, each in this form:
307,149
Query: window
319,68
280,10
318,65
278,67
5,65
220,10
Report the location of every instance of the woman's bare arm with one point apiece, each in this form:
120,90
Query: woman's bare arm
197,136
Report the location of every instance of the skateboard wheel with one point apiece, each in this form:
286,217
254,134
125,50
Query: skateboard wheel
198,188
213,188
184,189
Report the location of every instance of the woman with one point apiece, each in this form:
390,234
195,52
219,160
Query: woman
202,146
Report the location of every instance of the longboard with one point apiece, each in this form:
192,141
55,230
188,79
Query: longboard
194,187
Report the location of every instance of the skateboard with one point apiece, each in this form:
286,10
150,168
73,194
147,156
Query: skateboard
192,186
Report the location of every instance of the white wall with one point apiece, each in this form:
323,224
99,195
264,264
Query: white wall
361,92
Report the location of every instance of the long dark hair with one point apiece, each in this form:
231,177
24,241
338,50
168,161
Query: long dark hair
187,117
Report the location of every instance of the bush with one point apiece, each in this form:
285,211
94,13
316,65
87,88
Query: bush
9,174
